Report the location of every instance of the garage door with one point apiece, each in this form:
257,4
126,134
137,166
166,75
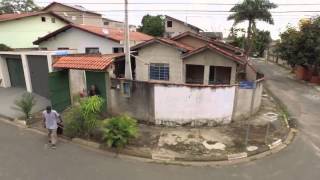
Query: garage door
39,74
16,72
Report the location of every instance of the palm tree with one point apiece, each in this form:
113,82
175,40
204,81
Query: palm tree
251,11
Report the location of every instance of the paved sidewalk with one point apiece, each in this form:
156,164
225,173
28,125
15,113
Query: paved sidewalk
8,97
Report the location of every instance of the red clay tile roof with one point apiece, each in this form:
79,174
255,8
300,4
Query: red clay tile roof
16,16
180,46
218,43
86,61
238,59
109,33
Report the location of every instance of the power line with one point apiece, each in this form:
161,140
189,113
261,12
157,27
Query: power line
174,3
204,11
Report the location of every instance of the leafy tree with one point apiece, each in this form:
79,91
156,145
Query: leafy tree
152,25
301,46
17,6
252,11
289,47
236,37
261,40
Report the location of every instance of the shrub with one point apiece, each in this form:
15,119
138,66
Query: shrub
25,105
72,122
117,131
82,119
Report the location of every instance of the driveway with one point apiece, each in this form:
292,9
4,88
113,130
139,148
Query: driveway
23,154
8,97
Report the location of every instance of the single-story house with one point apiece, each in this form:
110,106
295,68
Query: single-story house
20,30
89,39
191,61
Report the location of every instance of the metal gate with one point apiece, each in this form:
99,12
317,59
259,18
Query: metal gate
59,90
38,67
16,74
98,79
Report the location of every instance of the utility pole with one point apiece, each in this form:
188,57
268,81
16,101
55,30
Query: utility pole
128,73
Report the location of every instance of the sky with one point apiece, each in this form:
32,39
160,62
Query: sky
196,12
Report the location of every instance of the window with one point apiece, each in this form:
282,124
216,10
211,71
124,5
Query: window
169,23
43,19
63,48
93,50
194,74
53,20
118,50
106,23
219,75
159,71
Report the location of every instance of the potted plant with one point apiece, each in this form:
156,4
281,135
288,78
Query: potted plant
25,105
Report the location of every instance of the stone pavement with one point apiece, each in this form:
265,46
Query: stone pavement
8,97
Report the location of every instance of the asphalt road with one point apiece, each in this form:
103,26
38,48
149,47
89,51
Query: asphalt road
24,155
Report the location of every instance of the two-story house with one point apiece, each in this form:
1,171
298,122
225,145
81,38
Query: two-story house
75,14
174,27
20,30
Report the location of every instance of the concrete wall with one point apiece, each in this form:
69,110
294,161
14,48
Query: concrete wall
172,105
251,73
193,42
76,17
210,58
139,105
177,28
182,104
21,33
244,100
4,73
79,40
77,82
159,53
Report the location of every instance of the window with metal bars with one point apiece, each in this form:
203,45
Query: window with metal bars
159,71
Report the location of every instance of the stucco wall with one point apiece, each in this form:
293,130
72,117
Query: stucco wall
79,40
139,105
177,28
244,100
159,53
4,74
21,33
193,42
77,82
210,58
182,104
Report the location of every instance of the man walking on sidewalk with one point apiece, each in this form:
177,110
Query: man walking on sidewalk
51,119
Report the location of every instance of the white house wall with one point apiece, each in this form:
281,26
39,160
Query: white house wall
183,104
79,40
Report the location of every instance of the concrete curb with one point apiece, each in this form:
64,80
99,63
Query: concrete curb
127,154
